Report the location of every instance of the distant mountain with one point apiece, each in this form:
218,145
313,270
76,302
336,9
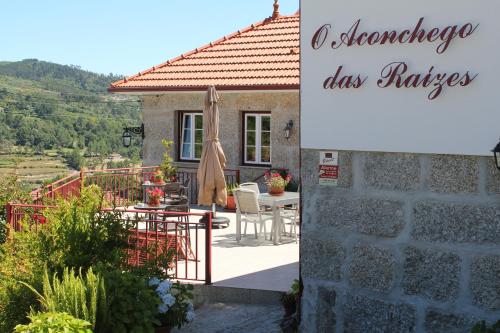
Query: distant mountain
43,71
45,105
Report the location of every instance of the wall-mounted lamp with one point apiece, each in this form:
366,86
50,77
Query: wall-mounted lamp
288,129
127,134
496,153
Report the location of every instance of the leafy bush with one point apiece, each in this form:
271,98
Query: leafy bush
175,308
482,327
79,235
166,165
17,263
10,190
82,296
54,322
132,305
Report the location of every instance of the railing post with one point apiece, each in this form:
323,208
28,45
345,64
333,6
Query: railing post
8,210
208,248
82,183
237,176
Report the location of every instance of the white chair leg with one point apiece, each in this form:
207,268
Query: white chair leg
255,229
245,231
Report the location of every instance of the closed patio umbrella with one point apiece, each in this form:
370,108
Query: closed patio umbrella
211,181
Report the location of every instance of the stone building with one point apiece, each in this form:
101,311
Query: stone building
255,71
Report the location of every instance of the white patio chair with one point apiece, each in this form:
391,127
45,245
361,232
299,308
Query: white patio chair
292,214
248,210
251,186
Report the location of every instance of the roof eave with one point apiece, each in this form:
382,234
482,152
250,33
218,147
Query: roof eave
194,89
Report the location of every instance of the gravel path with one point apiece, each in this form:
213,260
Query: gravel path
238,318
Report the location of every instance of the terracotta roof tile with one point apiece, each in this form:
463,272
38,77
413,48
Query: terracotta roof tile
262,56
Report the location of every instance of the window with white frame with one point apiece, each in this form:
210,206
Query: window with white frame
257,138
191,144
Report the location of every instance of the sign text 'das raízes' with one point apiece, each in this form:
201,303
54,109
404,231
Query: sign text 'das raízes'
396,74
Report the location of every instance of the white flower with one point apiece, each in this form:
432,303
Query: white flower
190,312
163,308
190,306
164,287
168,299
154,281
190,316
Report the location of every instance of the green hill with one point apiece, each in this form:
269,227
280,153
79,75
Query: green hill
50,106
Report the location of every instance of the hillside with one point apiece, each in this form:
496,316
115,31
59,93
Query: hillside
47,106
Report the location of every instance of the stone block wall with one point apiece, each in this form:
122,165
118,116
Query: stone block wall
161,112
404,243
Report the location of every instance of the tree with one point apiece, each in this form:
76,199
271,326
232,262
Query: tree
74,159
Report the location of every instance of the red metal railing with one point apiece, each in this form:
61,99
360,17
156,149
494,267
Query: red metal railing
63,188
120,186
32,214
152,233
181,235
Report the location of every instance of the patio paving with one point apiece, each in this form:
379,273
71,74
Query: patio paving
252,263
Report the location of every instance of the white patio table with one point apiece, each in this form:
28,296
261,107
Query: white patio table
275,202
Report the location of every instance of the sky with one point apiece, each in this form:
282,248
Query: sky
121,37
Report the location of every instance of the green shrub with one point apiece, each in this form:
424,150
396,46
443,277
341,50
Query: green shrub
132,305
54,322
17,263
10,190
482,327
82,296
76,235
79,235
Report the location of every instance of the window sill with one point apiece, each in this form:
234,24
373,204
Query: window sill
255,166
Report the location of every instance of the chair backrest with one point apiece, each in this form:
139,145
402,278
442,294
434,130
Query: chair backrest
246,201
251,186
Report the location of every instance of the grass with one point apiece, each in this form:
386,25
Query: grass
33,170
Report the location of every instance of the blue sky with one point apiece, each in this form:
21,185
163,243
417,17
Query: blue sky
121,37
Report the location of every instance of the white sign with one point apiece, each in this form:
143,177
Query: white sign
400,76
328,168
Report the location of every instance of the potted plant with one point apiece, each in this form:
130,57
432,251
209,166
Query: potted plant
175,307
291,304
157,177
276,183
166,166
154,196
231,204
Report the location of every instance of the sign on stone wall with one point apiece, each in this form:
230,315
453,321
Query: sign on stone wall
328,168
400,76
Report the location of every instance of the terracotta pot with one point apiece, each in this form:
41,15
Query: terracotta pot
231,205
173,179
154,202
163,329
275,191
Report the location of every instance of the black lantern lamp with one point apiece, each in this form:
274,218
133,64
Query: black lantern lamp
127,134
496,153
288,129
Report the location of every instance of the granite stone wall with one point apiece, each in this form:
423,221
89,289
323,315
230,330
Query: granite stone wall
161,112
404,243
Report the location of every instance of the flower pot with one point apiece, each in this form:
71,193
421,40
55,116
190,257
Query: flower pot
231,204
163,329
154,202
275,191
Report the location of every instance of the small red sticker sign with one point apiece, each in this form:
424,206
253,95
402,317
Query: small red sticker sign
328,168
